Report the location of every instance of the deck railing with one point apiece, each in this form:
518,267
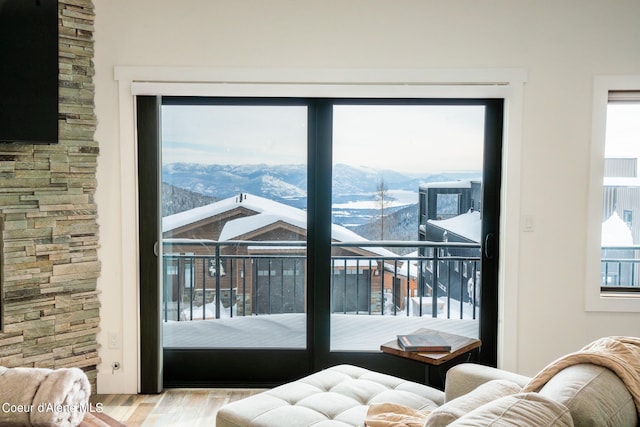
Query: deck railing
620,269
205,279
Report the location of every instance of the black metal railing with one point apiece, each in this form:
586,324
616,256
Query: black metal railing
204,279
620,269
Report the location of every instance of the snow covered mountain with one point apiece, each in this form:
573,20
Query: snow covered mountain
284,182
354,191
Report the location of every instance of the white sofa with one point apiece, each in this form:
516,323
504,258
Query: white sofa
475,395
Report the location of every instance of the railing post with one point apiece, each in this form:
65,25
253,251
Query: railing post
204,287
180,274
475,289
244,286
393,286
357,286
460,271
269,309
165,281
449,289
408,299
420,283
434,285
218,293
344,293
282,301
332,285
254,285
232,297
382,284
370,290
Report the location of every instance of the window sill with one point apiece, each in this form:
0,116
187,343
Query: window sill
613,302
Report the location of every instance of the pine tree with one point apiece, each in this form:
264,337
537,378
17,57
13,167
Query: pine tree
382,199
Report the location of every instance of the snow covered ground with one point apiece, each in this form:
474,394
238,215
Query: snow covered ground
348,332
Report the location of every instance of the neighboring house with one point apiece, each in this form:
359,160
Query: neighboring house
620,225
263,278
451,212
442,200
616,235
622,192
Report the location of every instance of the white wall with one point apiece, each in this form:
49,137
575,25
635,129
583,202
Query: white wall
561,45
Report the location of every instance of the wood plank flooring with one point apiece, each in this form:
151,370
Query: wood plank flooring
173,407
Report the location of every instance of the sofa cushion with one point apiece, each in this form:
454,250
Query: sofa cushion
595,396
456,408
518,410
338,396
463,378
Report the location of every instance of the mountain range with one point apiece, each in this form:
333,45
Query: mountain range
188,185
289,182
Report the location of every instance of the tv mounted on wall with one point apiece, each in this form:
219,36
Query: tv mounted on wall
29,71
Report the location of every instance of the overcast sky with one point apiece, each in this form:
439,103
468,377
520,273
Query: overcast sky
623,130
414,139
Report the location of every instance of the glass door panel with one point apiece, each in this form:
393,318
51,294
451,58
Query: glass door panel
407,215
619,269
234,198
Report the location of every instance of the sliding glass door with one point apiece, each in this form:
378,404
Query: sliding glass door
234,202
407,265
293,234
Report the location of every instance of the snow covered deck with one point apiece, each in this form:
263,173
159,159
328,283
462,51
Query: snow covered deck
348,332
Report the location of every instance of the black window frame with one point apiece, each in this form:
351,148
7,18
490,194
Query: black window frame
285,365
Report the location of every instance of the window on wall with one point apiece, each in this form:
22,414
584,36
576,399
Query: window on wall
620,237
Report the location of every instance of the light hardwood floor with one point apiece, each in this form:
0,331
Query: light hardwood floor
173,407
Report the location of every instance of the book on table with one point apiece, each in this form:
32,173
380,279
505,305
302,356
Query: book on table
432,343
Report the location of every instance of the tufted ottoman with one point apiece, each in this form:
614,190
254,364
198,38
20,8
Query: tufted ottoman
336,397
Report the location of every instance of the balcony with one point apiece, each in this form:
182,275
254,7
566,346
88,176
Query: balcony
250,289
620,269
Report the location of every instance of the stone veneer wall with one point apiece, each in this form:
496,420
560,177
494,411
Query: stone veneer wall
50,234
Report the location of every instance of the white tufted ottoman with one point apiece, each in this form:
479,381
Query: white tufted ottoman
336,397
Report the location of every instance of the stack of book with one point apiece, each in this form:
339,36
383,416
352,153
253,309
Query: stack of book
425,343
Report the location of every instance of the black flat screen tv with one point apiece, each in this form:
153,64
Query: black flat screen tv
29,71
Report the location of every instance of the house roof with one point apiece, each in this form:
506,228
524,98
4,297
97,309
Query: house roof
615,232
621,181
460,183
467,225
267,212
249,201
239,227
408,268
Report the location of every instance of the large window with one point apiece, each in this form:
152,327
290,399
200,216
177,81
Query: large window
385,154
620,266
614,205
276,263
234,171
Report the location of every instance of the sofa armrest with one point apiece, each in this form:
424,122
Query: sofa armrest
463,378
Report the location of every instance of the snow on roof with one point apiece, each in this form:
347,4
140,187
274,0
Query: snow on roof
267,212
407,268
615,232
449,184
621,182
238,227
249,201
467,225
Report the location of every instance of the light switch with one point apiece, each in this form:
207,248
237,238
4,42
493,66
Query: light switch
528,223
114,340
